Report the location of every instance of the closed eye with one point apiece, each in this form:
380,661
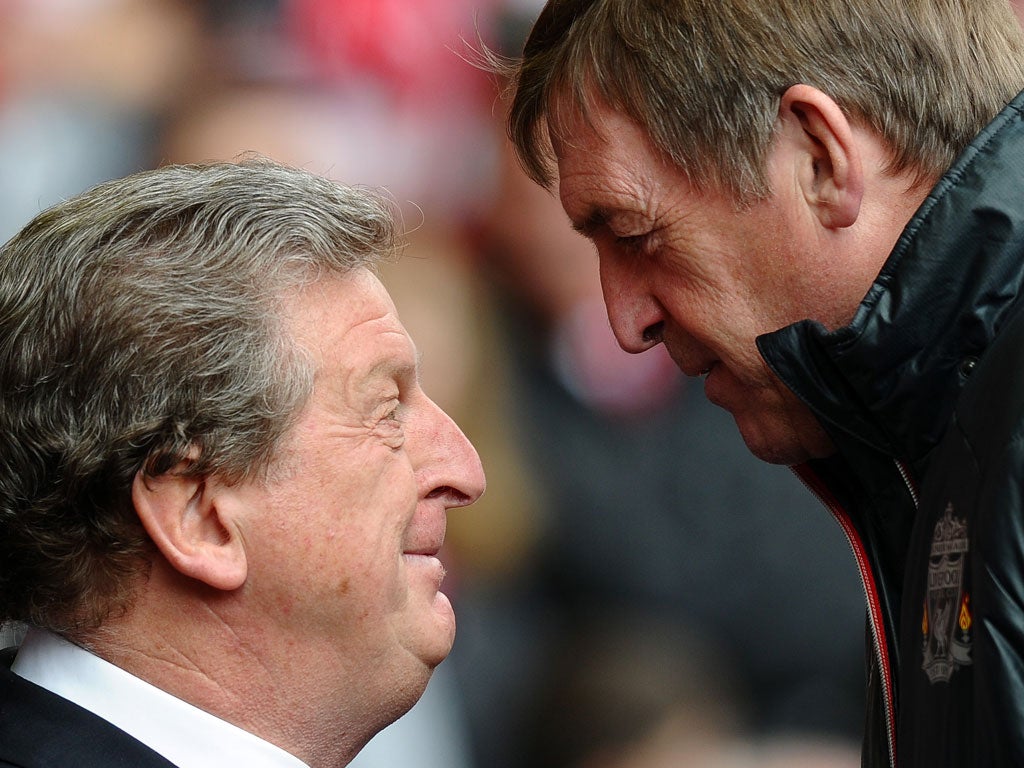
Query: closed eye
630,241
634,244
391,426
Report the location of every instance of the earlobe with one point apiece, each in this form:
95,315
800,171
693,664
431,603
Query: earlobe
190,526
830,171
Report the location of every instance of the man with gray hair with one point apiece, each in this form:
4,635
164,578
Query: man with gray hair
817,207
222,489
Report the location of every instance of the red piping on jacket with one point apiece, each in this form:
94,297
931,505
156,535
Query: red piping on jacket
817,487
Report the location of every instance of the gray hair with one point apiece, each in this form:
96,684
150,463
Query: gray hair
140,327
703,79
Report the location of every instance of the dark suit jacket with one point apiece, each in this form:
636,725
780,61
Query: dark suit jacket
39,729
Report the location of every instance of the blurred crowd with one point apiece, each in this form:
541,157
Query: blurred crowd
634,590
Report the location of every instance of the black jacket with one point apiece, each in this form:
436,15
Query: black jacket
39,729
923,394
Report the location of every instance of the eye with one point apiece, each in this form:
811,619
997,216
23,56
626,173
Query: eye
390,426
634,244
630,241
393,413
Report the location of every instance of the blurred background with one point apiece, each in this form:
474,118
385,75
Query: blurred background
635,590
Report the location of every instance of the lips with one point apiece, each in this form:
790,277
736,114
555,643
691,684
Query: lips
426,535
427,550
692,359
696,370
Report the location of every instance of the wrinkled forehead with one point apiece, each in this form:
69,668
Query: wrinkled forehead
587,122
575,117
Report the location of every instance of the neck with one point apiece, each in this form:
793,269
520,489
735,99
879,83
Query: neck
202,646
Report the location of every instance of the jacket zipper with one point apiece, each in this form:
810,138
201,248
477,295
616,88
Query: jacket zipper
907,481
881,649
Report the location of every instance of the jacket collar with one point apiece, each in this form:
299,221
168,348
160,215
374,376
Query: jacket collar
889,380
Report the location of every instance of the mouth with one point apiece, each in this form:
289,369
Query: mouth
426,535
427,567
691,361
699,370
428,550
423,559
424,552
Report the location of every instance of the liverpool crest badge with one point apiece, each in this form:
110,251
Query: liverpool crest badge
946,621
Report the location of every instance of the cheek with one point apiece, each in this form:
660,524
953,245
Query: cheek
348,580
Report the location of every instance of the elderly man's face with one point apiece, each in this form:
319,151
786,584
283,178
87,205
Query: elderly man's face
346,531
684,265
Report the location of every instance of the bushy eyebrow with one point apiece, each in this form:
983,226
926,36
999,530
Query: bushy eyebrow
392,367
593,221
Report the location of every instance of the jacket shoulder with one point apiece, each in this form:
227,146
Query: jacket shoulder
39,729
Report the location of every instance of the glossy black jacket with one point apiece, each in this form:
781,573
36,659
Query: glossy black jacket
923,394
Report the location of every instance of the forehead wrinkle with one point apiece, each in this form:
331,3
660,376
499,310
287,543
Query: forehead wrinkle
603,181
603,187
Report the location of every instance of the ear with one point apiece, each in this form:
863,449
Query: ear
829,169
190,525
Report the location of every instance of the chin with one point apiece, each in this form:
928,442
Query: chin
772,454
434,641
788,453
786,433
446,640
772,447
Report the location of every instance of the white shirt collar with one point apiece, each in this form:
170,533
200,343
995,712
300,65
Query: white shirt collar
187,736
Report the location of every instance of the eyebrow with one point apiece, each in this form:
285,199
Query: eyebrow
593,221
393,367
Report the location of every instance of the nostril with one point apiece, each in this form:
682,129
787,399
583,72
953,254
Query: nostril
653,333
453,497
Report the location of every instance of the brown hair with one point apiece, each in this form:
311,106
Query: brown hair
703,79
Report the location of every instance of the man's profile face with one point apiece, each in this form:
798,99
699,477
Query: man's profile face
345,531
709,277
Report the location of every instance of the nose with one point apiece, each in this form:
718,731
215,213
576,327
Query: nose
636,317
451,468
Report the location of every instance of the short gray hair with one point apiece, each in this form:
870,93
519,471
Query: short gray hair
139,326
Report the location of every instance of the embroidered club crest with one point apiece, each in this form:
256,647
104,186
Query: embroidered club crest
946,621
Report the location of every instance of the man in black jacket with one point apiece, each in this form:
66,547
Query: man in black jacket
222,489
819,207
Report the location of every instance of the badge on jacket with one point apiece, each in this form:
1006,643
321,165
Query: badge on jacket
946,621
